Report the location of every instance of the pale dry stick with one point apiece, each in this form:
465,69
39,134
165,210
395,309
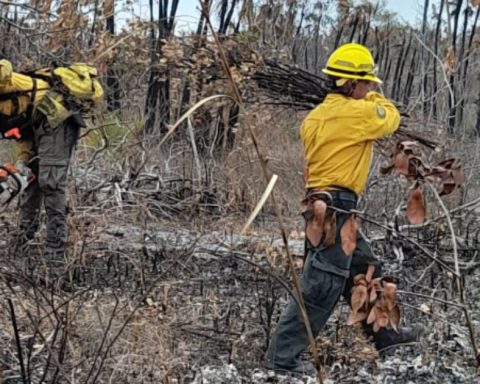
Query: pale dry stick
450,90
459,277
452,303
113,46
266,174
194,149
261,203
425,272
187,115
450,226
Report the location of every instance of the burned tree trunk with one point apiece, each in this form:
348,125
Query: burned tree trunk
452,100
158,94
113,85
410,77
396,82
226,15
402,66
467,51
435,84
424,60
354,28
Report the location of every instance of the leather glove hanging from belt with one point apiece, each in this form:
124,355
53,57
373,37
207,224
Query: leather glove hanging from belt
321,222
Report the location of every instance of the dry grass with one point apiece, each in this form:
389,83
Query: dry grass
77,334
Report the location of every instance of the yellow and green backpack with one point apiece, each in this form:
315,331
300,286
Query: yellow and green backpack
57,93
74,89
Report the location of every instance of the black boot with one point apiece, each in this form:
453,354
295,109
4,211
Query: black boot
385,339
303,368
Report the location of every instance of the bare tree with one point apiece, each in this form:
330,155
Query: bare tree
113,85
158,93
452,101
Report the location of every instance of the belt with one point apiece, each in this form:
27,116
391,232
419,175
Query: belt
344,195
336,194
333,197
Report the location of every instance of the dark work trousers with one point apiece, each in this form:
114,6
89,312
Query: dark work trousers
327,275
52,149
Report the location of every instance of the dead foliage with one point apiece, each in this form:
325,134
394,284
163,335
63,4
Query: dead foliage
348,235
407,159
374,301
416,209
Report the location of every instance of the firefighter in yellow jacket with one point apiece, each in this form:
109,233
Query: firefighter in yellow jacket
338,137
46,138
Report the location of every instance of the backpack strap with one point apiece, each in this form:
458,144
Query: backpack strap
14,95
11,95
34,90
16,106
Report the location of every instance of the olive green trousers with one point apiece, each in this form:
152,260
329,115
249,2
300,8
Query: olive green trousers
50,159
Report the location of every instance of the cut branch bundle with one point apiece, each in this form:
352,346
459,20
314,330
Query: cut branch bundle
294,87
290,85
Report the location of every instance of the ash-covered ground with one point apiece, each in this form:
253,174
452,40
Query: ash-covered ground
178,306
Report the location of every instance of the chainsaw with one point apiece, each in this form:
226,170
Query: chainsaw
13,181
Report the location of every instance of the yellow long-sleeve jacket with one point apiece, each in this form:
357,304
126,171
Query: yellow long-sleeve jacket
338,139
11,81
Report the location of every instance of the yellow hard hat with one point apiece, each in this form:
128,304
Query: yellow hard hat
352,61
